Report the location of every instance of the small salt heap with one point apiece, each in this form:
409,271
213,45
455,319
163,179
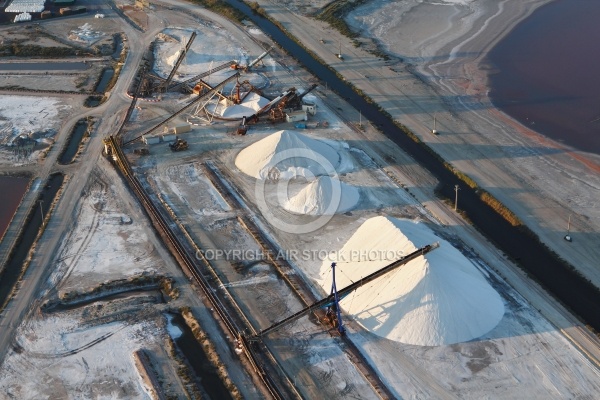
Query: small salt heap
325,195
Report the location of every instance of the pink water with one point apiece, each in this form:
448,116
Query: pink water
12,190
549,76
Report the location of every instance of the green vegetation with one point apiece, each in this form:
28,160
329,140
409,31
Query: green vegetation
499,208
31,50
222,8
210,351
91,100
257,9
183,371
335,12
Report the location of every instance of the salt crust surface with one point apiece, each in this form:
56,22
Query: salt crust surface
436,299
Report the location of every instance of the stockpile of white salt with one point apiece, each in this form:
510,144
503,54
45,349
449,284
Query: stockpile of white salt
436,299
251,104
286,154
325,195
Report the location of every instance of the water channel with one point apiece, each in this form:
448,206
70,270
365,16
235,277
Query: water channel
555,275
12,190
72,147
12,270
107,75
196,356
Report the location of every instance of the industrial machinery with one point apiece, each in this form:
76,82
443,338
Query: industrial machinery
332,301
165,84
188,84
178,145
133,102
246,68
188,105
150,83
243,128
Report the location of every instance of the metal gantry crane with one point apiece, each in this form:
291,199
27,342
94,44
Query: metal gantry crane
162,87
192,81
332,301
133,102
188,105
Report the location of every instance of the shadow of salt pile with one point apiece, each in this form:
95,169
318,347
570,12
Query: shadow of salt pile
436,299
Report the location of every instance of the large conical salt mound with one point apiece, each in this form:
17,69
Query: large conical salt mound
436,299
287,153
325,195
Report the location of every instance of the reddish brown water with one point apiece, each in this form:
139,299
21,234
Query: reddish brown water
12,190
549,76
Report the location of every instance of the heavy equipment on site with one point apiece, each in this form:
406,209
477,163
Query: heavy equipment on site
331,302
150,83
178,145
195,100
287,102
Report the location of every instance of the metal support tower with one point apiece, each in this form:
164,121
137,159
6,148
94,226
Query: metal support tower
335,296
335,306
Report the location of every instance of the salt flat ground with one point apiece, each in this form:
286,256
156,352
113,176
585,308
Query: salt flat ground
523,356
31,117
88,351
523,347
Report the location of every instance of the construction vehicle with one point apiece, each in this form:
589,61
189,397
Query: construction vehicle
243,128
178,145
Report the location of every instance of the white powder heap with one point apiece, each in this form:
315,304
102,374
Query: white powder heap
172,59
287,154
325,195
251,104
436,299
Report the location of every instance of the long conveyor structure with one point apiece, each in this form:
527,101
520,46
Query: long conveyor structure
188,105
337,294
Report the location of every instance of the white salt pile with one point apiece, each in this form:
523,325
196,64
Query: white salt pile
287,154
436,299
172,59
325,195
251,104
